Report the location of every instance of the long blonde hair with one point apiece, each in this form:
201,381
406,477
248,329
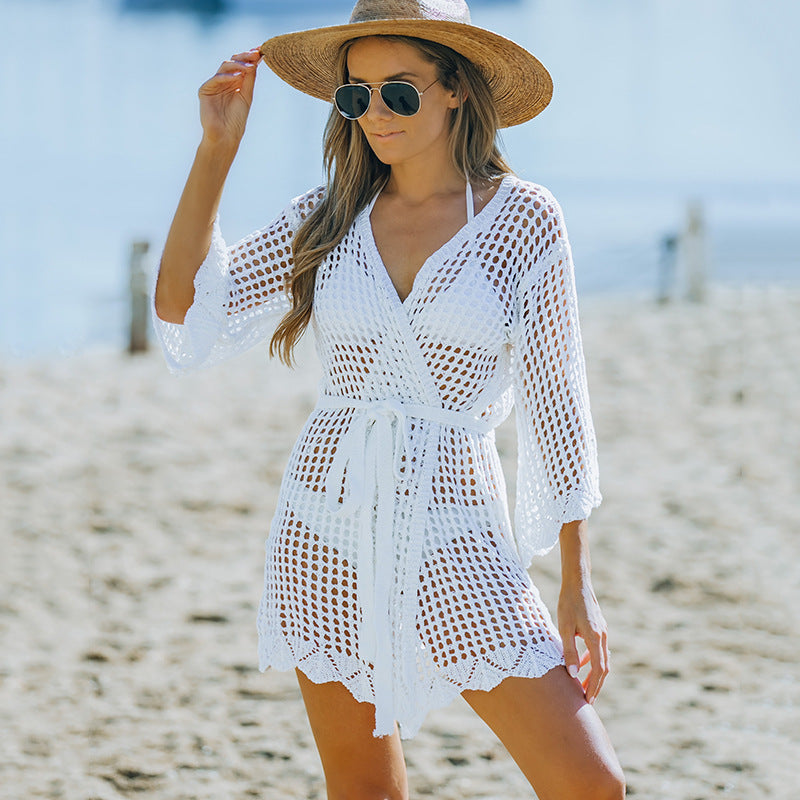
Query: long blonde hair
355,175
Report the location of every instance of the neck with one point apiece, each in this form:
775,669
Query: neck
415,182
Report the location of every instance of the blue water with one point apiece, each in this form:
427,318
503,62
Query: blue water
655,104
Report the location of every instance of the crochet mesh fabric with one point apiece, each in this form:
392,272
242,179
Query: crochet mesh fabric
391,565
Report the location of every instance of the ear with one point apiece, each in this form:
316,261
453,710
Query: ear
457,98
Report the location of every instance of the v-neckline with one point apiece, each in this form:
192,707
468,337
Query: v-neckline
452,243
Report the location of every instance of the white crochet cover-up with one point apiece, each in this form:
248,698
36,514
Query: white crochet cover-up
391,564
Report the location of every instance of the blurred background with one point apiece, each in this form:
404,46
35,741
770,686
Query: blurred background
134,506
657,105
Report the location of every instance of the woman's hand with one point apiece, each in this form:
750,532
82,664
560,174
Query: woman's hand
579,615
578,610
226,98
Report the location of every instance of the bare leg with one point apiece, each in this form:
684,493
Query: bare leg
554,735
357,765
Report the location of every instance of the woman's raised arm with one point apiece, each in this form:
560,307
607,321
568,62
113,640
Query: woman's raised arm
225,101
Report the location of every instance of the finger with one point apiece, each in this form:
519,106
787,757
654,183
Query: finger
571,659
592,685
233,65
244,68
232,76
585,658
606,661
606,664
249,56
249,81
596,658
222,82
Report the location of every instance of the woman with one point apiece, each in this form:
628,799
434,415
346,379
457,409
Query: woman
440,290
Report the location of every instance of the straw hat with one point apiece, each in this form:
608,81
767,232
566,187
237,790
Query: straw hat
521,86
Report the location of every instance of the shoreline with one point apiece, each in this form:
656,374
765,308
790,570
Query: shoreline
591,298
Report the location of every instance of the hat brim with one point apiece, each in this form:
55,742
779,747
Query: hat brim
519,82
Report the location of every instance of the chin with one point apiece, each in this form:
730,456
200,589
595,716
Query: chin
385,157
388,160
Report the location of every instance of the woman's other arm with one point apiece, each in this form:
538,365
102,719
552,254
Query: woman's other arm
557,471
225,101
557,477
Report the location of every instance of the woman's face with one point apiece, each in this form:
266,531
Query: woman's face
393,138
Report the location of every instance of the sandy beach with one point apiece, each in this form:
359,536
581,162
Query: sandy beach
134,507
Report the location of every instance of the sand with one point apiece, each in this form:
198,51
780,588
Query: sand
133,513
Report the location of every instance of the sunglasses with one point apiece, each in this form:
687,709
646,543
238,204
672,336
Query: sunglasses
400,97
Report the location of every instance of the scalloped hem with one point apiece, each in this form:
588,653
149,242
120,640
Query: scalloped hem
411,727
319,668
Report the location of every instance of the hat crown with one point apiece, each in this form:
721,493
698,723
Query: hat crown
439,10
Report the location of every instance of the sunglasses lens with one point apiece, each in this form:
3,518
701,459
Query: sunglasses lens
352,101
400,98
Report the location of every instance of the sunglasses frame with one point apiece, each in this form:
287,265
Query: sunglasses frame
378,87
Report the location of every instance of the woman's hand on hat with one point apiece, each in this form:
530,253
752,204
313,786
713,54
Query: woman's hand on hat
225,99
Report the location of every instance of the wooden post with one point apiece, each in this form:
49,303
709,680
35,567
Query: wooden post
140,302
695,254
668,268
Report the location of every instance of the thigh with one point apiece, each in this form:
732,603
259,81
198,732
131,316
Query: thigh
356,763
553,734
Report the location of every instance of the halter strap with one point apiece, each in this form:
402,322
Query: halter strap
372,203
470,203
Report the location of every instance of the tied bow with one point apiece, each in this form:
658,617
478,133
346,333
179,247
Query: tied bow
356,452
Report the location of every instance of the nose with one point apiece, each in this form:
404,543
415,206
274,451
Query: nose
377,108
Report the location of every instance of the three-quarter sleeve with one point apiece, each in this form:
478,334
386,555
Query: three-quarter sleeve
557,469
240,293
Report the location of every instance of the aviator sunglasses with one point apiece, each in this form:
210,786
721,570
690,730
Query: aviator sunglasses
400,97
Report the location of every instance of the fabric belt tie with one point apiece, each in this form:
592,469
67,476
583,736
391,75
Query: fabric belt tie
372,451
